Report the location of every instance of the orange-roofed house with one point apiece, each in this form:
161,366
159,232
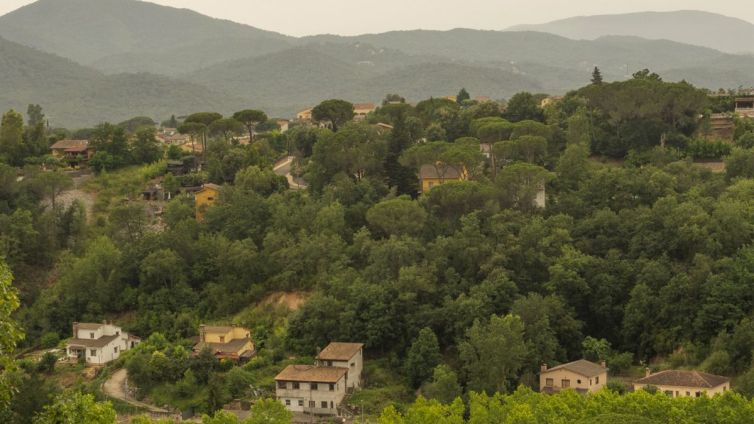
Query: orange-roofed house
72,150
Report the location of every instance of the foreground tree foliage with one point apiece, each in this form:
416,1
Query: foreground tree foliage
526,406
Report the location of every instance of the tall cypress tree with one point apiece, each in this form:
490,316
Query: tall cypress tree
596,76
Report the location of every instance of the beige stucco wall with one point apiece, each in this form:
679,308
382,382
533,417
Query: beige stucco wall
578,381
355,367
682,391
306,394
233,334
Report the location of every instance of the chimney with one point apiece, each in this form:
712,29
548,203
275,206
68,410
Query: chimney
604,364
75,329
202,333
543,367
647,372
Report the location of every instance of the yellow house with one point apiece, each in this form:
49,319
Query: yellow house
679,383
229,342
582,375
205,198
434,175
305,115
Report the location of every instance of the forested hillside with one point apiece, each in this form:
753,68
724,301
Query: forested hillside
77,96
134,36
639,256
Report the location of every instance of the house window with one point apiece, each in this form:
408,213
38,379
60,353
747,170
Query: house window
312,404
329,363
669,393
287,402
353,364
93,352
688,393
332,405
222,339
565,383
549,382
295,385
698,394
332,387
597,380
91,335
578,381
314,386
117,333
115,349
300,402
282,385
590,381
210,198
324,404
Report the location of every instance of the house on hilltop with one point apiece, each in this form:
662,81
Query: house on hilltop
226,342
582,375
344,355
681,383
98,344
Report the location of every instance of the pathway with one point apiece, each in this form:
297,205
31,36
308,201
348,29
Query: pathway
115,387
283,167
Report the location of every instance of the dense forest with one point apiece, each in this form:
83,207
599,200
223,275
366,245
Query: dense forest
641,256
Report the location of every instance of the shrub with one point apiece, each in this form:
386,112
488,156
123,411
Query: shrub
49,340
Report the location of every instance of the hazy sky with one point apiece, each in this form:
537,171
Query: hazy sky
347,17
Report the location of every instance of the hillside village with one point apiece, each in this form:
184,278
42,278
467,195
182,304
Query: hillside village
425,227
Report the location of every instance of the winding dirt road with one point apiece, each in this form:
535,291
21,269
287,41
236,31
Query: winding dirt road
115,387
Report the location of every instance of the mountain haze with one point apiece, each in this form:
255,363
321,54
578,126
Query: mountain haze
132,35
76,96
731,35
87,61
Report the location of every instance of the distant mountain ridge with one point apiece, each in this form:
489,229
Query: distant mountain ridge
727,34
77,96
126,57
133,36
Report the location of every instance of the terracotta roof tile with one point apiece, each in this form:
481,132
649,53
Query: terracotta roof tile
70,144
101,342
582,367
429,171
311,373
684,379
337,351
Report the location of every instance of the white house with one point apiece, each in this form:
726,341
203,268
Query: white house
344,355
98,343
312,389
